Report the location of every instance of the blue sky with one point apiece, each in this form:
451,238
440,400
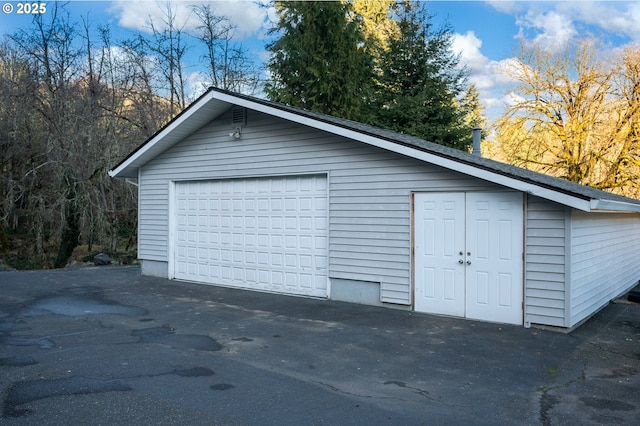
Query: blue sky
486,32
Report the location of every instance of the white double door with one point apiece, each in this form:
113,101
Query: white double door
468,255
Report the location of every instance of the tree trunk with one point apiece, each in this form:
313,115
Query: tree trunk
71,230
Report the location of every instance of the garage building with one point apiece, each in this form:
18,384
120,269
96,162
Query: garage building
242,192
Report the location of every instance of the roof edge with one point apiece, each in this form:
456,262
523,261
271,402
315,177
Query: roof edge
600,205
403,145
533,188
167,128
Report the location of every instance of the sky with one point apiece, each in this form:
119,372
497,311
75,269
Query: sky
486,33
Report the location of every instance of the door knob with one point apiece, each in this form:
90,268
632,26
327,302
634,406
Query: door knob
468,262
461,261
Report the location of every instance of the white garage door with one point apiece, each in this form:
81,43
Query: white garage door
264,234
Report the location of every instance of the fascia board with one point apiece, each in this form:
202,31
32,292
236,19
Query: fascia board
613,206
164,133
516,184
529,188
468,169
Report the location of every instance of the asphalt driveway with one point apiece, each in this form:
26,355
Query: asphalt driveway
108,346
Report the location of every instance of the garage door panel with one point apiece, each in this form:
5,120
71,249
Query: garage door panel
267,234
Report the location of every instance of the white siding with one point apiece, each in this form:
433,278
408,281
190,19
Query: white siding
605,260
545,263
369,191
153,205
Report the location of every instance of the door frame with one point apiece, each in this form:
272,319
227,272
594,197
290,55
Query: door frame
521,258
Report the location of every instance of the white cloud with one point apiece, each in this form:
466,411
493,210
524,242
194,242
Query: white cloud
468,46
487,75
197,84
554,30
484,72
511,99
140,15
620,18
554,24
249,17
505,6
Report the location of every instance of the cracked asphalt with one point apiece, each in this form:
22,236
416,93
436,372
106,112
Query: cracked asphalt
98,346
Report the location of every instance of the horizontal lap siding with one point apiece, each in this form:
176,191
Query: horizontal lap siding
545,263
369,191
152,220
371,219
371,231
605,260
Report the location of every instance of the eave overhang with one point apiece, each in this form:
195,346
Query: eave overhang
215,103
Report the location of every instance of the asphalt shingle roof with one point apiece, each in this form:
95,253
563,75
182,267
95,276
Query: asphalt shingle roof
538,179
550,182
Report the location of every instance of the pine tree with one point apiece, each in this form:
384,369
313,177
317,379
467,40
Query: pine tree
319,62
420,83
378,24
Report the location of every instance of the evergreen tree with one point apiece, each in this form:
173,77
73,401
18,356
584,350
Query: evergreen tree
320,61
471,107
420,83
378,24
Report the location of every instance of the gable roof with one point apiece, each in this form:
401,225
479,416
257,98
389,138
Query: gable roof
216,102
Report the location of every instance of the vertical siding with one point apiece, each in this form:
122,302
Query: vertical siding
369,191
605,260
545,263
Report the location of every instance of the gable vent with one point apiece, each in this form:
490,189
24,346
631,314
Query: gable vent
238,116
